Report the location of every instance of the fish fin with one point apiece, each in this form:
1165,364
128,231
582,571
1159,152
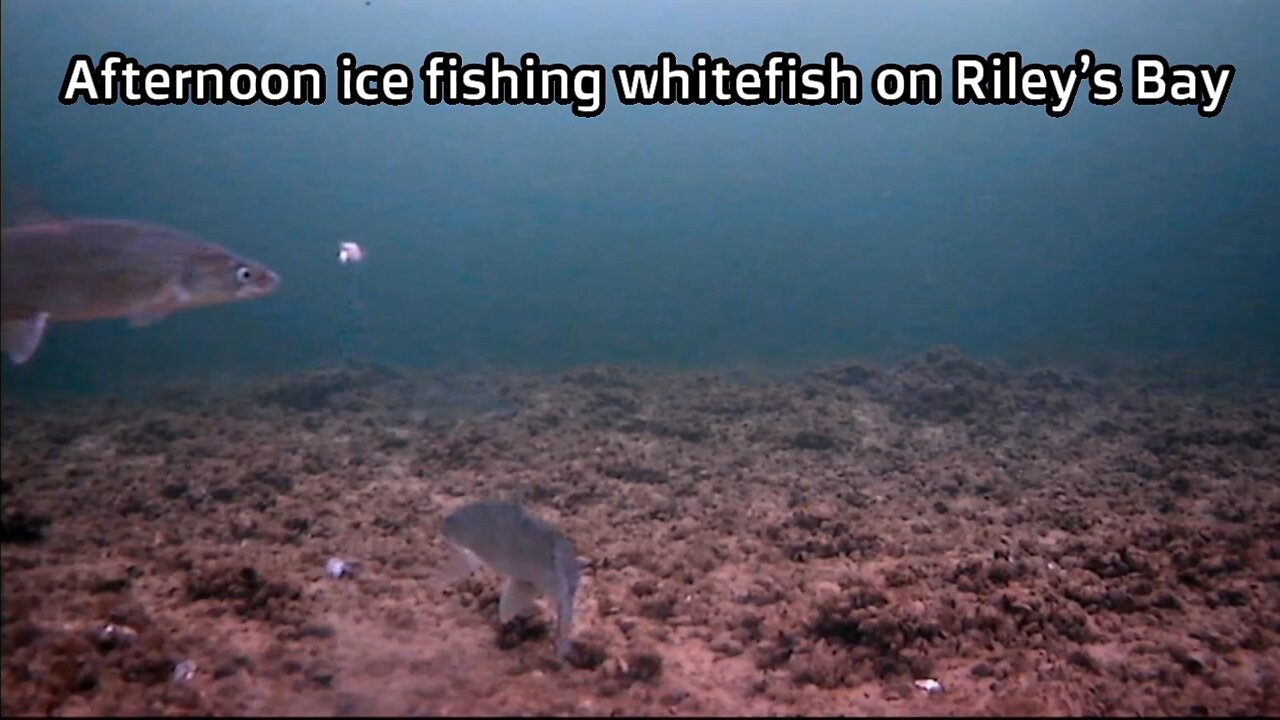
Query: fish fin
28,208
462,563
564,620
22,337
159,307
569,575
564,643
517,599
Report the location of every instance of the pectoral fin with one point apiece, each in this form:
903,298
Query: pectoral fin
22,337
517,599
159,307
462,563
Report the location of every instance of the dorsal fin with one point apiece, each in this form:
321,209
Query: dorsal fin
26,208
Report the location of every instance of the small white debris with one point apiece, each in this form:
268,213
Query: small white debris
929,685
337,567
349,252
184,671
112,634
1051,565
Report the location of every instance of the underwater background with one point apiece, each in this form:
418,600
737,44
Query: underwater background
523,236
705,345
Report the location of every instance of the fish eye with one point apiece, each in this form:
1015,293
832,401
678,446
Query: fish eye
244,274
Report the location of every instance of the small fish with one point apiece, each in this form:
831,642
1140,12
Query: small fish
534,557
73,269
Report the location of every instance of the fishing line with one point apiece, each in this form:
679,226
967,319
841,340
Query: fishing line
352,254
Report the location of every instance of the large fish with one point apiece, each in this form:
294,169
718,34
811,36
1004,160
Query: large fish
63,270
532,555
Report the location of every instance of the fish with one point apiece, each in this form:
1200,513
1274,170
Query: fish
533,556
55,270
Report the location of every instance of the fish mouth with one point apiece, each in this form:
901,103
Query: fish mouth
264,283
268,281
